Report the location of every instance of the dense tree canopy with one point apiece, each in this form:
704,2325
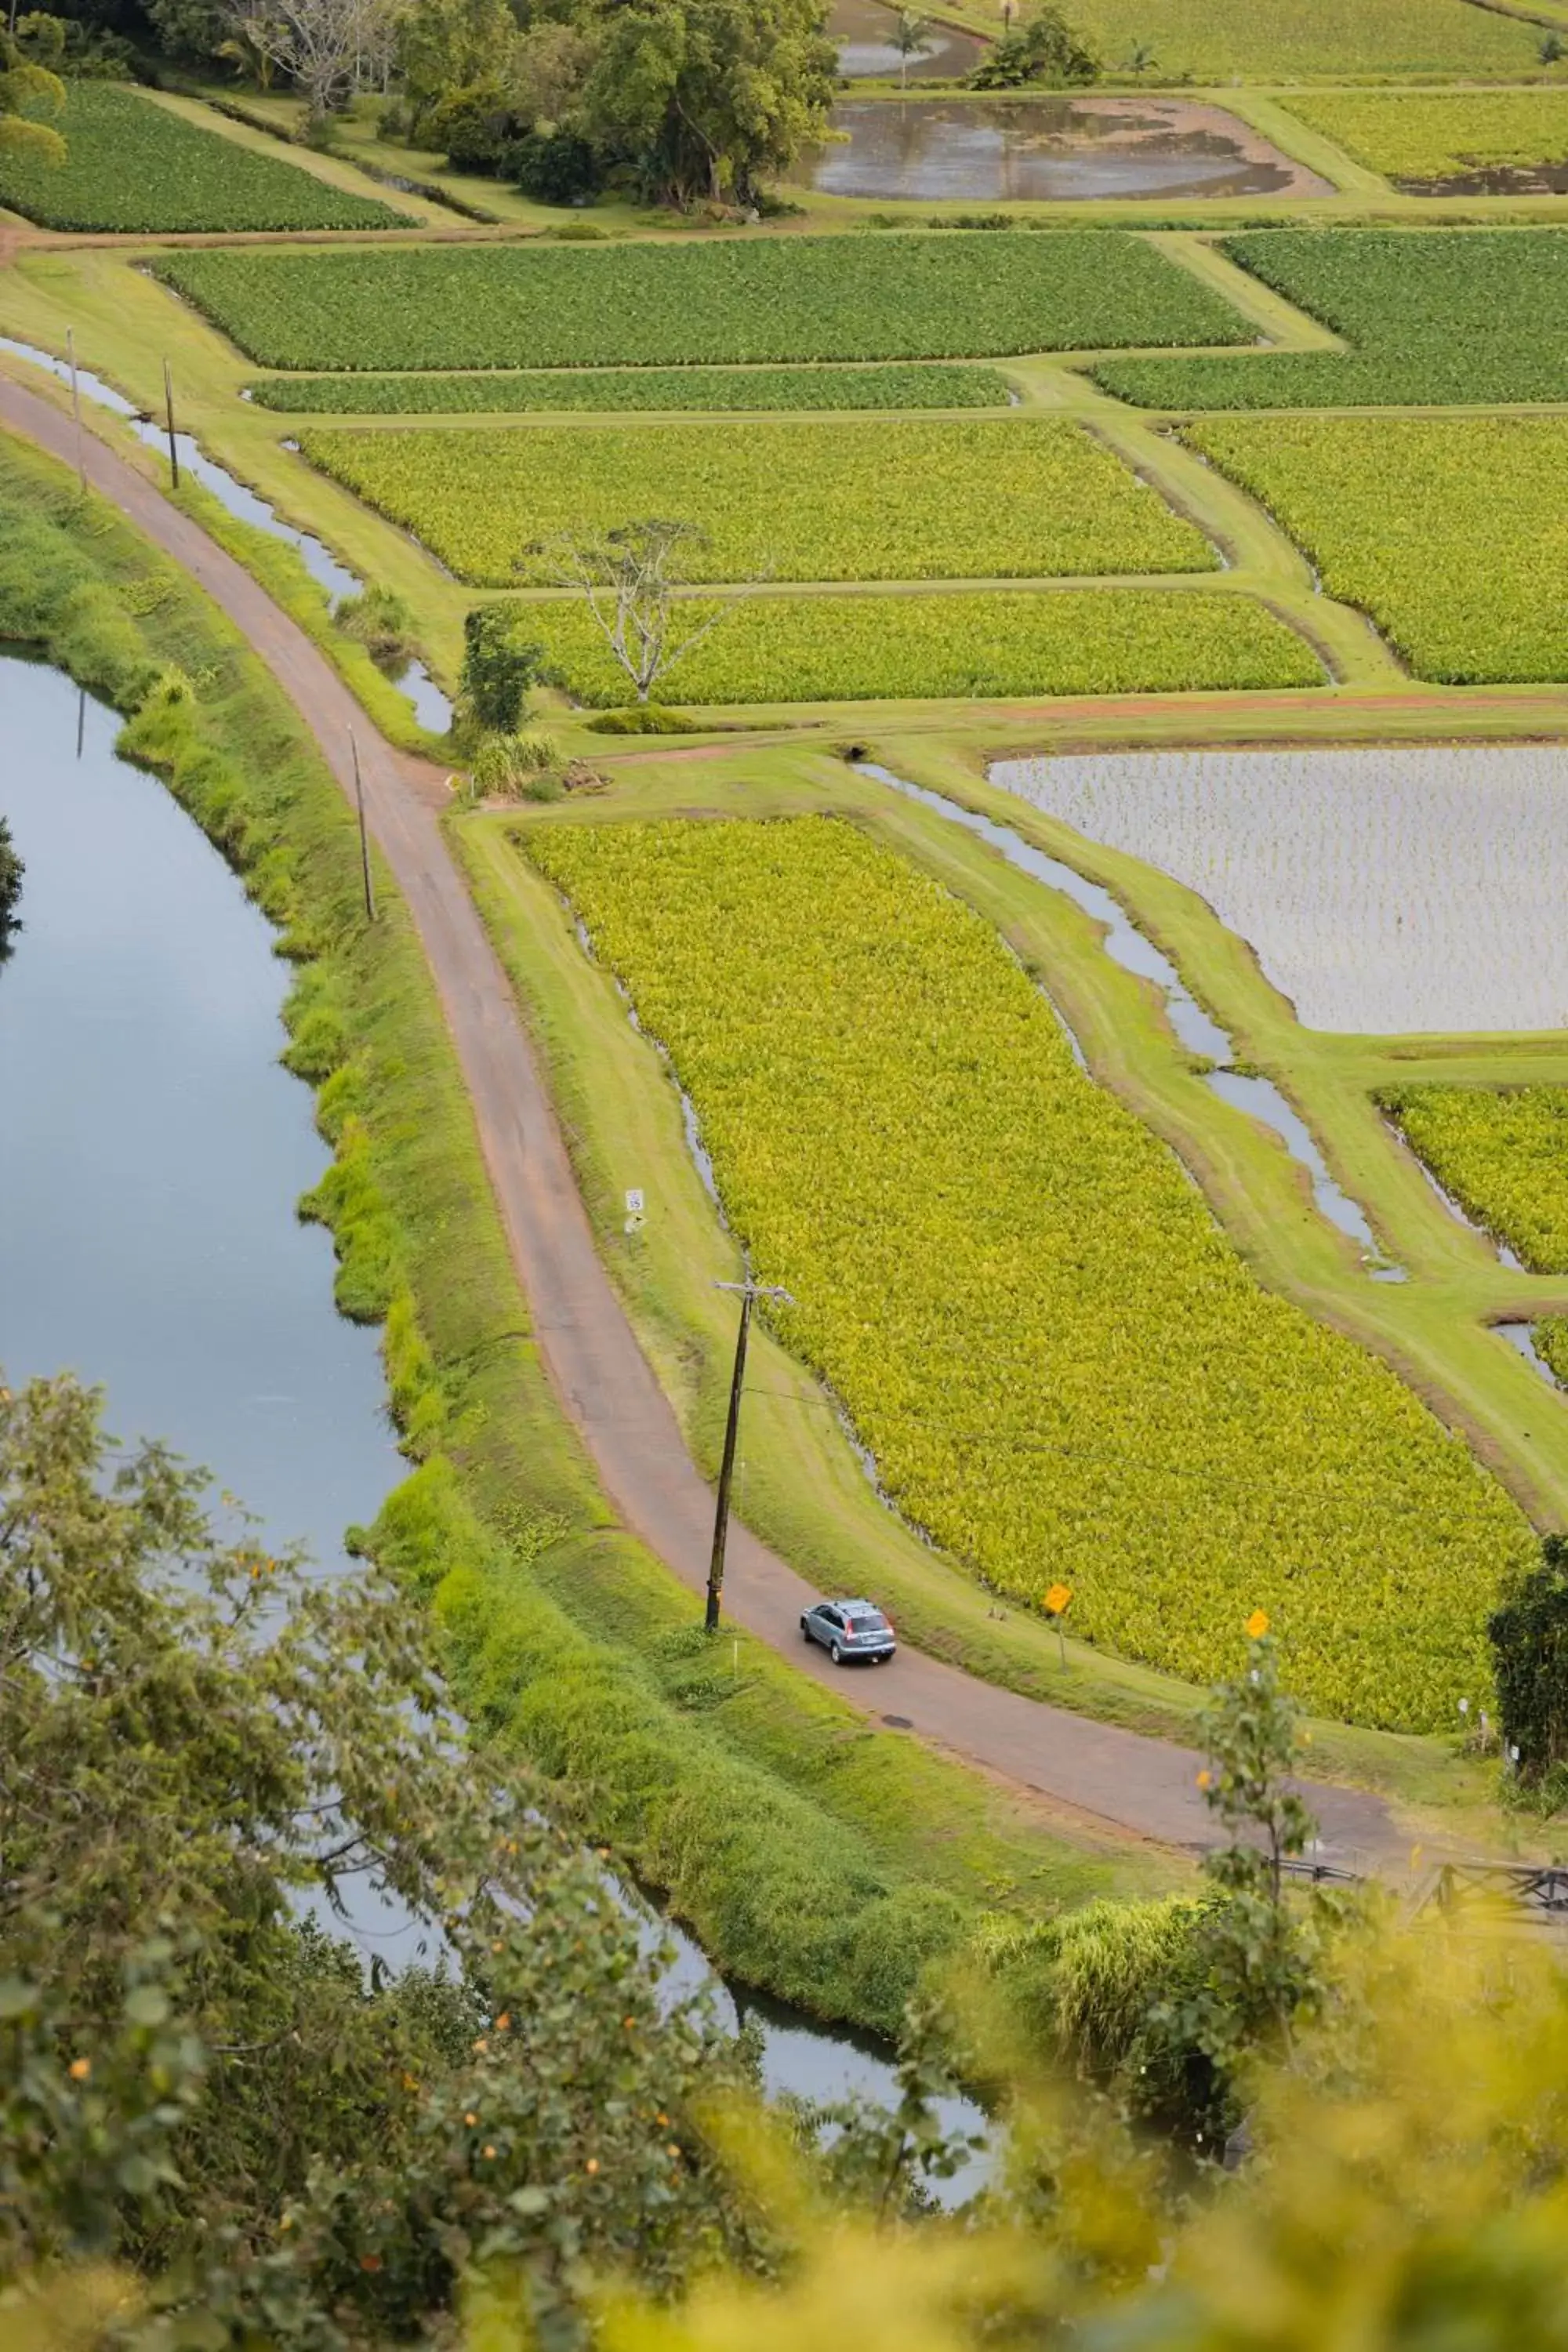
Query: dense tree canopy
206,1750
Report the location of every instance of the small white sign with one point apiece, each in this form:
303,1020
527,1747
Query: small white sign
634,1202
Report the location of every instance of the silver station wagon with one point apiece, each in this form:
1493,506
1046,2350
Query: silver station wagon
848,1630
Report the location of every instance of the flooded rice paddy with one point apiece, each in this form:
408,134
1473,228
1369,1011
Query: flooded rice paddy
1004,151
1384,891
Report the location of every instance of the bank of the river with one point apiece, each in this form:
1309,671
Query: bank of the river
566,1641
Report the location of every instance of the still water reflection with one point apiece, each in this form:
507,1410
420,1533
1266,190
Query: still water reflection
863,30
153,1148
998,150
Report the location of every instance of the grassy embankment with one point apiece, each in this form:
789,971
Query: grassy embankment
804,1489
813,1856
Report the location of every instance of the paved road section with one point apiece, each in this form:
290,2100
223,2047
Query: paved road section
1147,1787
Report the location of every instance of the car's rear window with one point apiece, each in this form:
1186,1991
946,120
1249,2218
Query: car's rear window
868,1620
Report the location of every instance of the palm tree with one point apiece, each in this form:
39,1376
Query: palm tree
909,33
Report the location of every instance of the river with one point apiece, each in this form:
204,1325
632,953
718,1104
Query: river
152,1151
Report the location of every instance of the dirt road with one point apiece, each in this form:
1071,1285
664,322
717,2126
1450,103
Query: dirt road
593,1358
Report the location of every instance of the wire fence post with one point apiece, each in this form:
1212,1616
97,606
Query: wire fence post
364,836
169,413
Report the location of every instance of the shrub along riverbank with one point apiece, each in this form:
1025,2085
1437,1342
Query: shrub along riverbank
566,1641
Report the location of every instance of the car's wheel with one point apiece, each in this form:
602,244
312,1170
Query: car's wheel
805,1631
836,1655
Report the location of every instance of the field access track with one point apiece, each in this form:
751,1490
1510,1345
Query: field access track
598,1370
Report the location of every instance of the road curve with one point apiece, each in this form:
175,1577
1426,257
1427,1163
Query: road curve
595,1363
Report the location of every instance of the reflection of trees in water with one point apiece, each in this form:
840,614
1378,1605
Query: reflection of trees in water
11,871
1051,147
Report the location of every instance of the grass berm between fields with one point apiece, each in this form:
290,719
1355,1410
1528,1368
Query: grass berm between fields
567,1644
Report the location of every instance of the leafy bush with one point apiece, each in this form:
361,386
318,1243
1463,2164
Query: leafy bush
993,498
1044,48
652,304
644,719
499,669
378,619
133,165
556,167
1057,1360
1450,530
997,642
639,388
1431,316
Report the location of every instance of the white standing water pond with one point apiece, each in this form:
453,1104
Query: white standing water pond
1384,891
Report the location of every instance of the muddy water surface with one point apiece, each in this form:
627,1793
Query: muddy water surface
1003,150
863,31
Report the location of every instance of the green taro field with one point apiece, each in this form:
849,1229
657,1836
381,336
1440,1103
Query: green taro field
1220,41
635,388
1059,1363
775,648
1451,532
909,500
1432,316
1415,136
964,295
131,165
1503,1154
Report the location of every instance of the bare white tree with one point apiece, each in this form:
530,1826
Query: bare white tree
326,48
628,578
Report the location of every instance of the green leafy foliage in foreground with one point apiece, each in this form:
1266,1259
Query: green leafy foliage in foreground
1430,315
133,165
1407,2187
791,299
975,643
911,500
636,388
1064,1371
1450,530
1417,135
193,2078
1501,1154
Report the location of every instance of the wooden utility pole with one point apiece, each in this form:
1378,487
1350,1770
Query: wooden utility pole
76,407
750,1292
169,413
364,836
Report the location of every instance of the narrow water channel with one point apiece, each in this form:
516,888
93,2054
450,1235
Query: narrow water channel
151,1152
432,707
